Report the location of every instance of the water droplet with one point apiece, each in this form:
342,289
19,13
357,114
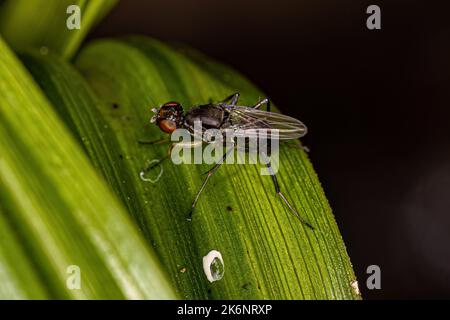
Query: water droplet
145,174
213,266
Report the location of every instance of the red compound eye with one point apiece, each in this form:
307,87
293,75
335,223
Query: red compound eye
167,126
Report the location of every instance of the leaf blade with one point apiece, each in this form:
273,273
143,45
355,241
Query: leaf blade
65,223
267,255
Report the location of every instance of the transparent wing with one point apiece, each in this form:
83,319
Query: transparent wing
249,122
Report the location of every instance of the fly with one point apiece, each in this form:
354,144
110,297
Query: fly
227,115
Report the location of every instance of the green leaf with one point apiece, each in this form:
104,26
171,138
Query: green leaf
76,103
267,253
42,23
17,277
57,211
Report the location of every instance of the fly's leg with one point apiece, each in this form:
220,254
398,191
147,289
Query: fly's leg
208,175
154,163
157,141
265,101
158,162
233,99
281,195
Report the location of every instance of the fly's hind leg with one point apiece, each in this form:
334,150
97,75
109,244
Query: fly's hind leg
205,181
233,99
157,141
153,164
281,195
265,101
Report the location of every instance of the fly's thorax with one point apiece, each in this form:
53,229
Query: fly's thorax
210,116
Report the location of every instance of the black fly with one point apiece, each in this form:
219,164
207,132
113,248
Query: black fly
227,115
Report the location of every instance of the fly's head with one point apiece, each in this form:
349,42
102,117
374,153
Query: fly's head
168,117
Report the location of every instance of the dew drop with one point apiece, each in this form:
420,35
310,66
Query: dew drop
145,174
213,266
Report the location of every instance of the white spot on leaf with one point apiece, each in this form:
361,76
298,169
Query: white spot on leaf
355,287
213,266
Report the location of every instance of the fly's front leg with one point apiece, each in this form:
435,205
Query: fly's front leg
281,195
233,99
153,164
265,101
185,145
208,175
157,141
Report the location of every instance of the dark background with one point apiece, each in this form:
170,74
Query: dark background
376,103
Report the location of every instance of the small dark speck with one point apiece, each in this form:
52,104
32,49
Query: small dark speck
120,156
209,291
246,286
115,106
229,208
